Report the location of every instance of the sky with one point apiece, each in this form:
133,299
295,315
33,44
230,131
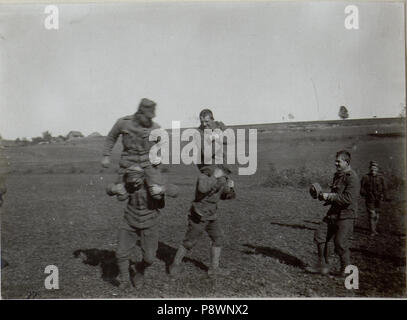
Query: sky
249,62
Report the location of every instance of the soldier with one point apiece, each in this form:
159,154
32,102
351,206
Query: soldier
218,152
208,123
339,220
373,189
211,187
136,131
141,218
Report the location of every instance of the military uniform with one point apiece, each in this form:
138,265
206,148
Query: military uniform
140,221
373,189
339,221
203,211
203,217
136,148
216,153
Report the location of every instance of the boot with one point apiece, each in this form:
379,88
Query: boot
322,266
374,217
175,267
139,274
345,261
374,224
124,278
214,269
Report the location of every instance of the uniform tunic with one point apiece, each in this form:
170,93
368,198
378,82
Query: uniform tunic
373,189
203,213
136,147
135,140
141,218
339,220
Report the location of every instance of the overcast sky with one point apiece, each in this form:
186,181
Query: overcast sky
249,62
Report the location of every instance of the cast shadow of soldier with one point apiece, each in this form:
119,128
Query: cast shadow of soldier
293,261
107,261
275,253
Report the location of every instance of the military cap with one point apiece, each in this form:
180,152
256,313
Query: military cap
373,164
315,190
147,107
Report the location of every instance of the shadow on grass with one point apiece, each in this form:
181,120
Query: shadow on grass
313,222
106,259
276,254
167,253
293,226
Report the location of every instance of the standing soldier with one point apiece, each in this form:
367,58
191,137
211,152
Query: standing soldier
139,134
339,220
208,123
373,189
211,187
141,219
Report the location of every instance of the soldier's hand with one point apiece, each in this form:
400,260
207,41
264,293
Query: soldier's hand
325,196
105,162
218,173
230,183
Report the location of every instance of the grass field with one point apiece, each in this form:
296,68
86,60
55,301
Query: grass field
56,212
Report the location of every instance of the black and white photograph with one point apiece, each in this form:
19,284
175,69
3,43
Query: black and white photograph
203,150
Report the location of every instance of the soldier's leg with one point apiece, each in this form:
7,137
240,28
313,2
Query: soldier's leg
193,234
372,221
216,234
127,241
149,246
321,235
371,216
342,241
376,217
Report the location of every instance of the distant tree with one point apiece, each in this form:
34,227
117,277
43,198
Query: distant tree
17,141
37,140
25,141
290,116
47,136
343,113
62,137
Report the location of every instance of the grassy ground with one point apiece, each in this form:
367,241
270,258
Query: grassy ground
56,212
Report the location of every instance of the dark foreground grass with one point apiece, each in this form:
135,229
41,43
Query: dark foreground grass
68,221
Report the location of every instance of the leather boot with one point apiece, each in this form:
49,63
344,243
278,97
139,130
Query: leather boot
175,267
124,277
214,269
139,274
345,261
322,266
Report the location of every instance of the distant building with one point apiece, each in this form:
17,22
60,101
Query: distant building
72,135
94,135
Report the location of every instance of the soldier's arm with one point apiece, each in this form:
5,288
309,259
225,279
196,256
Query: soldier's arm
111,138
363,191
349,194
384,187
